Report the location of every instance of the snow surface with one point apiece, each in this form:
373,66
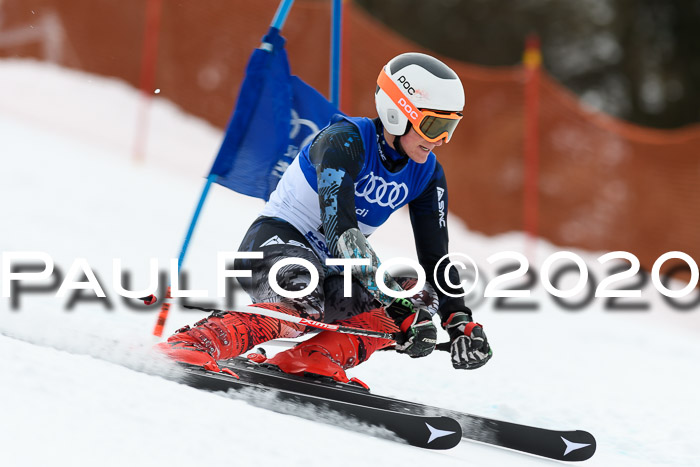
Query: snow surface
69,393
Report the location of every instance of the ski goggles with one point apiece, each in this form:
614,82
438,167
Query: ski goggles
431,125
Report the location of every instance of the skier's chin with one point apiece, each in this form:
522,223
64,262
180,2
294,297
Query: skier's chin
419,156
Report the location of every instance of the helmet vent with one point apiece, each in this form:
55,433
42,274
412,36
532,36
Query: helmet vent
427,62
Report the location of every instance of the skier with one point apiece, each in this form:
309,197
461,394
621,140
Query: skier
337,191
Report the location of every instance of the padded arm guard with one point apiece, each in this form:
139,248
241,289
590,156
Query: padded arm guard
352,244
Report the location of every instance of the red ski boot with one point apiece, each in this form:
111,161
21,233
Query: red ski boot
222,336
211,339
326,354
331,353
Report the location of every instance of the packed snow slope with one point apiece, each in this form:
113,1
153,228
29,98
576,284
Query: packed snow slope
79,386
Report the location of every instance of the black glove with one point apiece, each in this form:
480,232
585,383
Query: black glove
418,335
468,344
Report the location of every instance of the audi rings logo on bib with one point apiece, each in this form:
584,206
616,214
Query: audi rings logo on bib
376,190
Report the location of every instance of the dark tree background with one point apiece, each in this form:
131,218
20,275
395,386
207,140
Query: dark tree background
636,59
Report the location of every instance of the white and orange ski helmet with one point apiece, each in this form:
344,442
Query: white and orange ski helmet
419,90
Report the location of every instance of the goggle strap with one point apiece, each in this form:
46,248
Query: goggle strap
414,115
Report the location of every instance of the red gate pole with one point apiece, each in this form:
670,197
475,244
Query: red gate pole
532,60
147,79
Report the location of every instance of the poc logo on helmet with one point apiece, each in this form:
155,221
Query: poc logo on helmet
408,108
406,85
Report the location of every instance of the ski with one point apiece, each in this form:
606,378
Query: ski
429,432
575,445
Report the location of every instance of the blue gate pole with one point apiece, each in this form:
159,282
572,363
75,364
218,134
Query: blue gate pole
281,14
336,34
277,22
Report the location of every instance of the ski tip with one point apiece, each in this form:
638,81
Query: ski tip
438,433
577,446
